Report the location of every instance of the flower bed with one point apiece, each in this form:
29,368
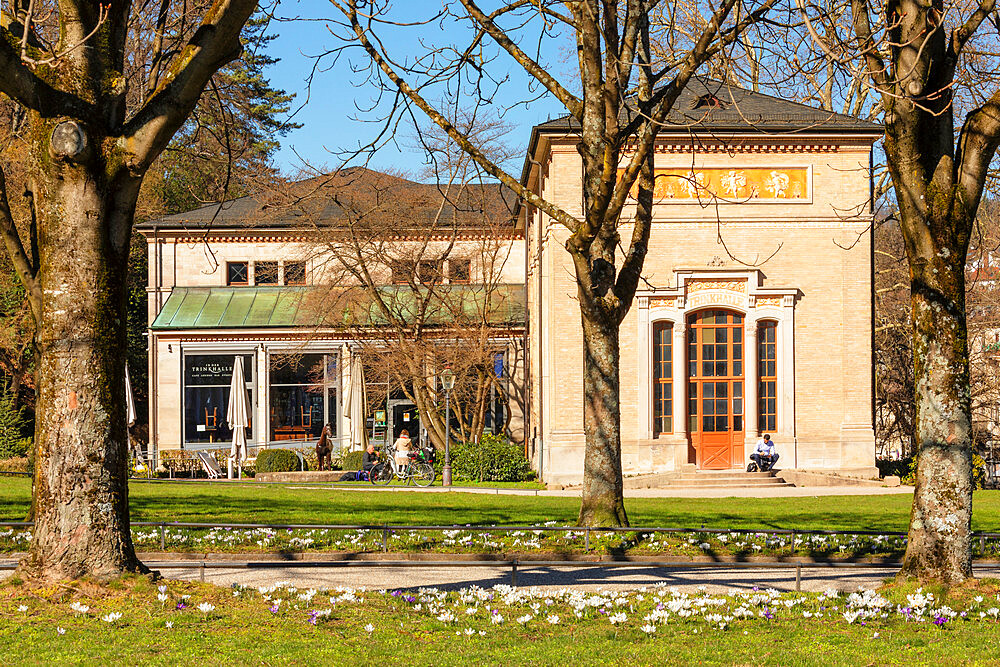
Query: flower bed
535,541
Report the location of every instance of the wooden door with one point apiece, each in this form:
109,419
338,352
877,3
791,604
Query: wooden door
715,389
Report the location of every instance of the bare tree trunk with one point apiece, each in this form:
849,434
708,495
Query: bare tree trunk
81,471
602,503
939,546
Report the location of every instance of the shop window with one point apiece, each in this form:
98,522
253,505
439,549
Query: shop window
663,373
459,271
767,376
207,379
295,273
237,273
265,273
304,391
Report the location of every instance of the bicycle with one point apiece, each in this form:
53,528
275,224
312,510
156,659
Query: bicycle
420,471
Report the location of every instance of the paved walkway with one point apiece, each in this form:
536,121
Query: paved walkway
715,579
763,491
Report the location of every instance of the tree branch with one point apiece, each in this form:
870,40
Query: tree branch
214,44
15,249
487,23
977,144
460,138
18,82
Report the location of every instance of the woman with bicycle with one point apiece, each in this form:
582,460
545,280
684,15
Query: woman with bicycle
402,448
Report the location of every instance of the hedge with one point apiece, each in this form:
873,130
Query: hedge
492,459
351,461
276,460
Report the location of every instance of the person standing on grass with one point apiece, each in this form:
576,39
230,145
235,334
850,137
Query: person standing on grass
765,456
403,445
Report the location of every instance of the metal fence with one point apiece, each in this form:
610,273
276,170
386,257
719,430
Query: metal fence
515,563
587,531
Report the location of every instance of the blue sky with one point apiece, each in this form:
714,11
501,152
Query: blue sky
330,117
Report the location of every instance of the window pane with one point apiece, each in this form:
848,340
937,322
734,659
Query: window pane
297,369
708,424
459,270
265,273
296,413
207,378
237,273
295,273
737,423
429,271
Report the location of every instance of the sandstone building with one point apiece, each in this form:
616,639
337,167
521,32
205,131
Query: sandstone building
754,315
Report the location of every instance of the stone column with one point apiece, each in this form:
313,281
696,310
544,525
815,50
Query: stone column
680,378
750,381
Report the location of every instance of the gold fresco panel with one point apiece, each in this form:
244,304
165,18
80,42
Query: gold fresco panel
735,185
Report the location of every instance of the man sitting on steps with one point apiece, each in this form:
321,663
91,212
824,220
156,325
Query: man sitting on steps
765,457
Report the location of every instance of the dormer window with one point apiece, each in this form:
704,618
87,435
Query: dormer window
710,101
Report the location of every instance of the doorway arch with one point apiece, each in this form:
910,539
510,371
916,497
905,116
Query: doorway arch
715,385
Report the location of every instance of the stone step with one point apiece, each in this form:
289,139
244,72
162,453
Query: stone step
726,474
737,485
698,483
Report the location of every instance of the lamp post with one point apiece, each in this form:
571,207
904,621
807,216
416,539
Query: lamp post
448,382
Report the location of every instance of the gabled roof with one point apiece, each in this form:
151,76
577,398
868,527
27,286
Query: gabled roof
320,201
285,307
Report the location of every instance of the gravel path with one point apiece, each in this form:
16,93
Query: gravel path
715,579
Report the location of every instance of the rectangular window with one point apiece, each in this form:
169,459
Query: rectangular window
207,379
402,272
767,376
459,271
265,273
305,390
295,273
429,271
237,273
663,373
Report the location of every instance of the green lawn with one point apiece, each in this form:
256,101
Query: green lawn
40,626
207,502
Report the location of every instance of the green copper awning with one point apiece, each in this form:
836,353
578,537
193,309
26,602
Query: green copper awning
287,307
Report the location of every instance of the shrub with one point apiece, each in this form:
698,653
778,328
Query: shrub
13,444
492,459
351,461
276,460
910,476
15,464
897,467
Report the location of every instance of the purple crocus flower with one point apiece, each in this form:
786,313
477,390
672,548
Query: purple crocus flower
409,598
767,614
181,605
396,593
940,621
273,609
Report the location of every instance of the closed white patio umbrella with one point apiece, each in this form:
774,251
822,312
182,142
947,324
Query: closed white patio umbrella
129,400
238,416
357,403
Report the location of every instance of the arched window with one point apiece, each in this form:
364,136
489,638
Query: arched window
663,372
767,376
